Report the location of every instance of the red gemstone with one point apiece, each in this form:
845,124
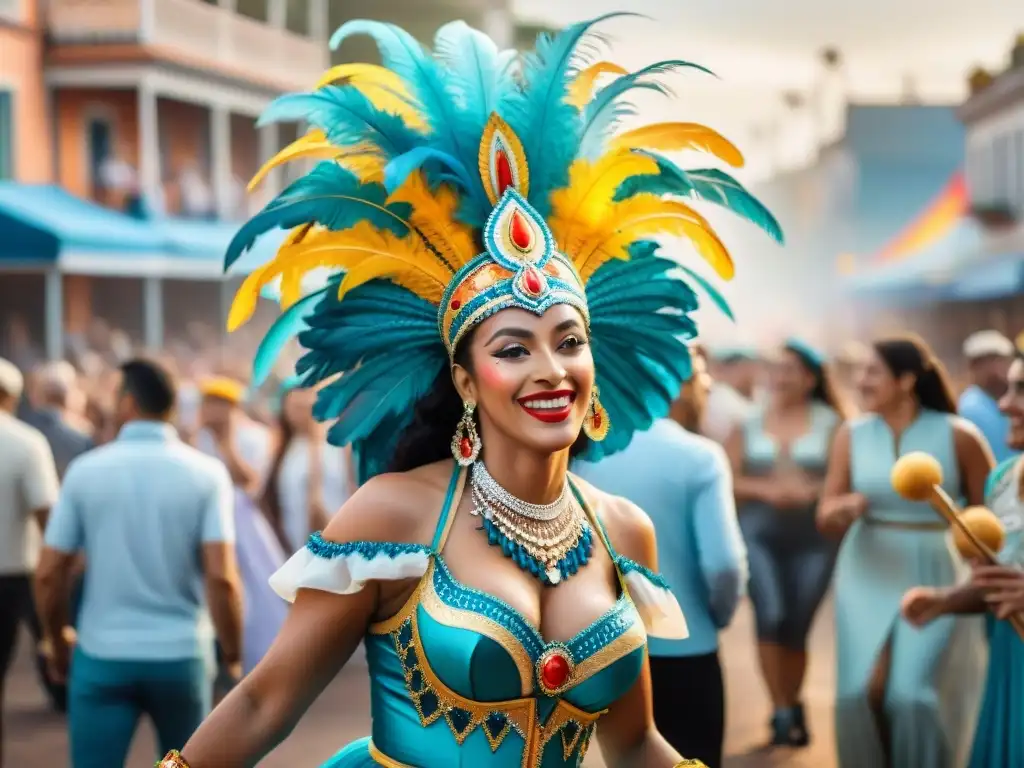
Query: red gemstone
465,447
520,231
597,420
555,671
503,170
456,303
532,282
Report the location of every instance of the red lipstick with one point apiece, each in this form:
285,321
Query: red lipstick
550,407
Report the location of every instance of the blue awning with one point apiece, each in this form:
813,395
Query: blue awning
44,224
926,275
207,242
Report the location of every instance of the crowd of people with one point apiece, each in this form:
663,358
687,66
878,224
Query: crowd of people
169,493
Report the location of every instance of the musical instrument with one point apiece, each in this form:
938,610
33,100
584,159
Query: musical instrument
977,532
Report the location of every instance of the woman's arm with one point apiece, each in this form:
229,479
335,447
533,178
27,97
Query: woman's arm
974,459
839,507
744,487
318,637
627,735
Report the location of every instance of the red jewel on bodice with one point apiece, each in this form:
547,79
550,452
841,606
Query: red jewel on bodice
503,171
555,671
520,231
532,282
466,447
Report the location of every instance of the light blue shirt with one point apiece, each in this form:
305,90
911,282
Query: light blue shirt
683,482
140,509
979,408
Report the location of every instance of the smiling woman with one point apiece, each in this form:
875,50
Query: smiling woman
496,294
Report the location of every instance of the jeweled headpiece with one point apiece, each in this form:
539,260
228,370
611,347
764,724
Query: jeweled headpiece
463,183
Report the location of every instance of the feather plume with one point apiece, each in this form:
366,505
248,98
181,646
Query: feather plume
540,114
708,184
330,196
383,88
608,109
591,189
363,159
581,90
433,216
642,216
679,136
402,54
284,329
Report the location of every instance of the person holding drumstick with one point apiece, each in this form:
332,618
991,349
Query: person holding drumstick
905,696
997,738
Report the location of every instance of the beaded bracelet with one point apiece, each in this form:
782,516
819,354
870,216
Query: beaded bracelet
173,759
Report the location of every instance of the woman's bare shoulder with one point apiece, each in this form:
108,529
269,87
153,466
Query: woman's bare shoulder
629,529
401,507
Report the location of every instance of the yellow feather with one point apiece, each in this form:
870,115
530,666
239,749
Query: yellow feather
382,87
679,136
581,90
433,215
313,145
246,297
591,189
645,216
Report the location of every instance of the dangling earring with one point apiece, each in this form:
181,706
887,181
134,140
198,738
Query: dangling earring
596,424
466,442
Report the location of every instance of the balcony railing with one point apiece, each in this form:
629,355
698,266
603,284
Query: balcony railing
196,31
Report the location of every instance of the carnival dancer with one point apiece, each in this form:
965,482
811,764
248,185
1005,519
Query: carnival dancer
498,291
779,455
905,696
998,740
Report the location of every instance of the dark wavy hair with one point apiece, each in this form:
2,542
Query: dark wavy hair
436,415
910,354
825,390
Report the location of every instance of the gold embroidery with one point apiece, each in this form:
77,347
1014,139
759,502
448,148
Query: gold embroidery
573,724
433,699
633,638
462,619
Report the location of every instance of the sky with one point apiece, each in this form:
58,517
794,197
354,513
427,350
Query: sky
761,49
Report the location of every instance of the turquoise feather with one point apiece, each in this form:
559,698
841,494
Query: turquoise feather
538,112
708,184
328,195
284,329
606,111
398,170
346,117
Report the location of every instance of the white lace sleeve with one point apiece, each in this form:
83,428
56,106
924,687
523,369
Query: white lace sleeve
344,567
654,601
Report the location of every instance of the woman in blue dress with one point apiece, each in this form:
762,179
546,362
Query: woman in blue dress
905,696
998,737
779,456
495,291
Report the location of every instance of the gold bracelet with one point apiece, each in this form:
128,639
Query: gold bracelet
173,759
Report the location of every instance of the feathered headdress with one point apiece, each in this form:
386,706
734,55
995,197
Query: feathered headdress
457,184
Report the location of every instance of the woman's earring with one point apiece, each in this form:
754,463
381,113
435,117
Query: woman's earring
596,424
466,443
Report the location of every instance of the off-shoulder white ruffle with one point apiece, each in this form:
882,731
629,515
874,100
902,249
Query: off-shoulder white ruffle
657,606
344,574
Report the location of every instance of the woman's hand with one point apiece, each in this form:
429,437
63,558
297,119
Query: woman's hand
1002,587
922,605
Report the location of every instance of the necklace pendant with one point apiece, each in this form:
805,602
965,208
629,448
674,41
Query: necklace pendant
554,575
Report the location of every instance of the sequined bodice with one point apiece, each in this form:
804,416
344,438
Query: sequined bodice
458,679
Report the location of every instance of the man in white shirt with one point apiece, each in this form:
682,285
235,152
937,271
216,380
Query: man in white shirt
28,489
731,398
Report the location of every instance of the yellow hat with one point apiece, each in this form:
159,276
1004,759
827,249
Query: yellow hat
223,388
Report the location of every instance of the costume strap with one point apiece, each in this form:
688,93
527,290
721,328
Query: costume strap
595,521
451,502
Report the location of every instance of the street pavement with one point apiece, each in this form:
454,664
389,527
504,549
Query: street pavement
36,738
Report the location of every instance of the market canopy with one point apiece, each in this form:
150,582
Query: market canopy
44,224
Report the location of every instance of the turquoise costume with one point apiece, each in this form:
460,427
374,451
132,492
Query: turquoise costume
457,677
932,691
454,186
999,736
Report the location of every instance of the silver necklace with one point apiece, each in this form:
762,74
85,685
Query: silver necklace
492,490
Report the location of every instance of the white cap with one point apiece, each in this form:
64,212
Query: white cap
11,381
987,344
